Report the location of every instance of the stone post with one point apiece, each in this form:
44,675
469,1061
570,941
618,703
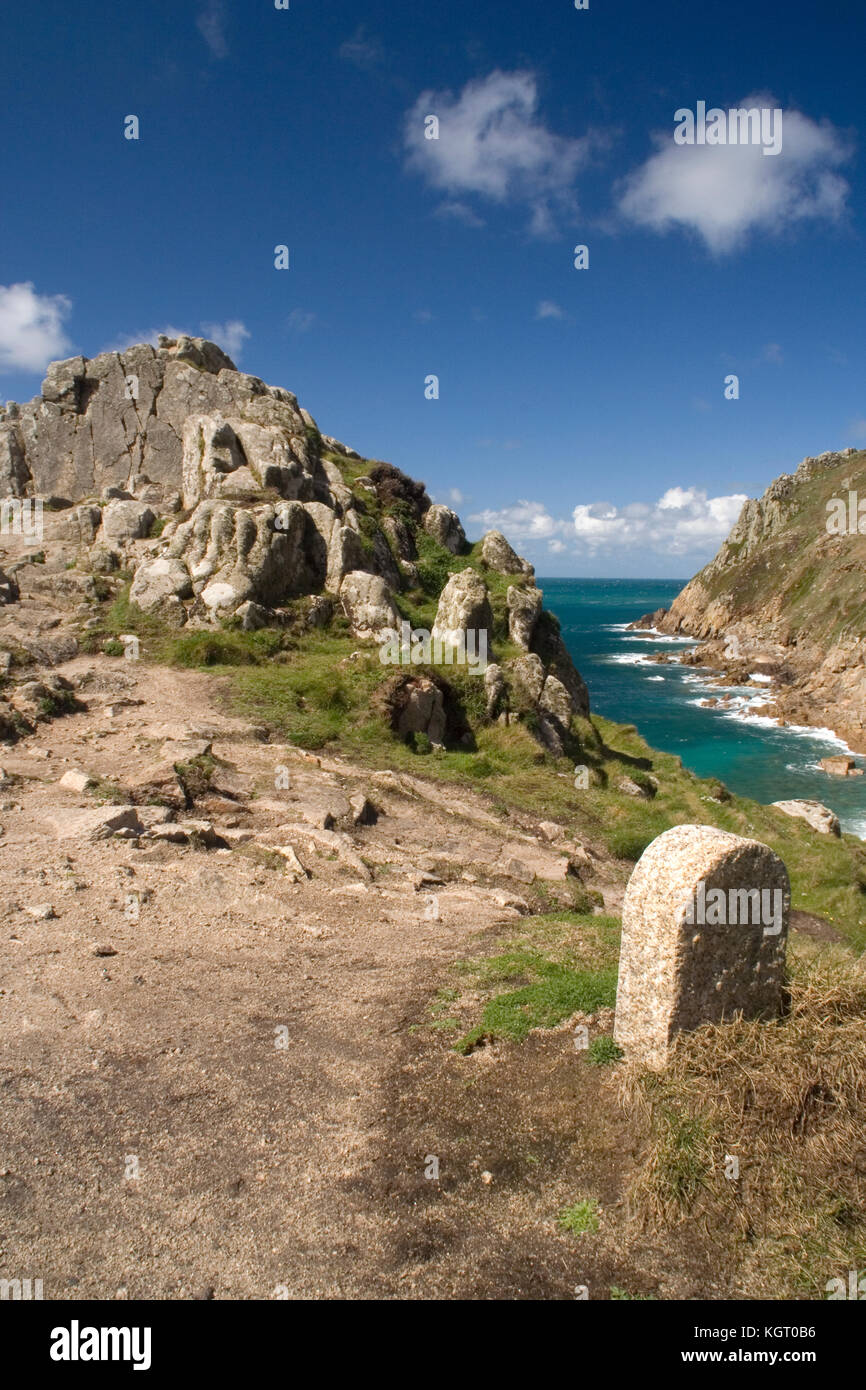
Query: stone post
704,931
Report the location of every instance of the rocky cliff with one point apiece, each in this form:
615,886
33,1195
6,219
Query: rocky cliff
225,504
786,596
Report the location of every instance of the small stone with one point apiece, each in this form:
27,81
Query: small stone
293,867
42,912
550,830
77,781
104,948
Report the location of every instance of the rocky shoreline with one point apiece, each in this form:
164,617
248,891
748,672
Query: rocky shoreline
783,598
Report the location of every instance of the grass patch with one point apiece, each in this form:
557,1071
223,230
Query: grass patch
229,647
58,703
195,776
105,790
562,963
581,1218
259,854
603,1051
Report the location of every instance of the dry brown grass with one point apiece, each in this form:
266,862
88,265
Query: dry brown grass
788,1099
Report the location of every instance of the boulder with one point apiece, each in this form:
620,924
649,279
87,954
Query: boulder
123,522
526,676
76,781
401,538
463,607
368,606
419,709
820,817
494,689
498,555
98,824
158,580
444,526
841,765
524,606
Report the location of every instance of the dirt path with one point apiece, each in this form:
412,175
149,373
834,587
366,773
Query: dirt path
208,1077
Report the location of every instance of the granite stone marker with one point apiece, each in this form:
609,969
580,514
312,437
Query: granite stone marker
704,931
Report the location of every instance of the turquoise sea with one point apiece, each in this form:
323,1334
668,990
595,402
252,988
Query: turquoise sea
750,754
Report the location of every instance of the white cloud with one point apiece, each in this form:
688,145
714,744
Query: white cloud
459,212
725,192
31,327
857,429
684,521
772,352
128,340
525,521
230,336
456,496
493,144
548,310
364,53
300,321
211,23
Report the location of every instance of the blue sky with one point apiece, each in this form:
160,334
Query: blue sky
571,403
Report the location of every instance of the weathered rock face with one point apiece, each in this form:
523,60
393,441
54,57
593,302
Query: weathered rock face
499,555
105,421
464,607
444,526
704,931
786,589
234,553
524,607
236,459
224,499
368,605
547,643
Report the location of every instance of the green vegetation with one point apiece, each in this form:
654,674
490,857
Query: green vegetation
561,963
581,1218
57,703
312,692
603,1050
790,573
555,994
